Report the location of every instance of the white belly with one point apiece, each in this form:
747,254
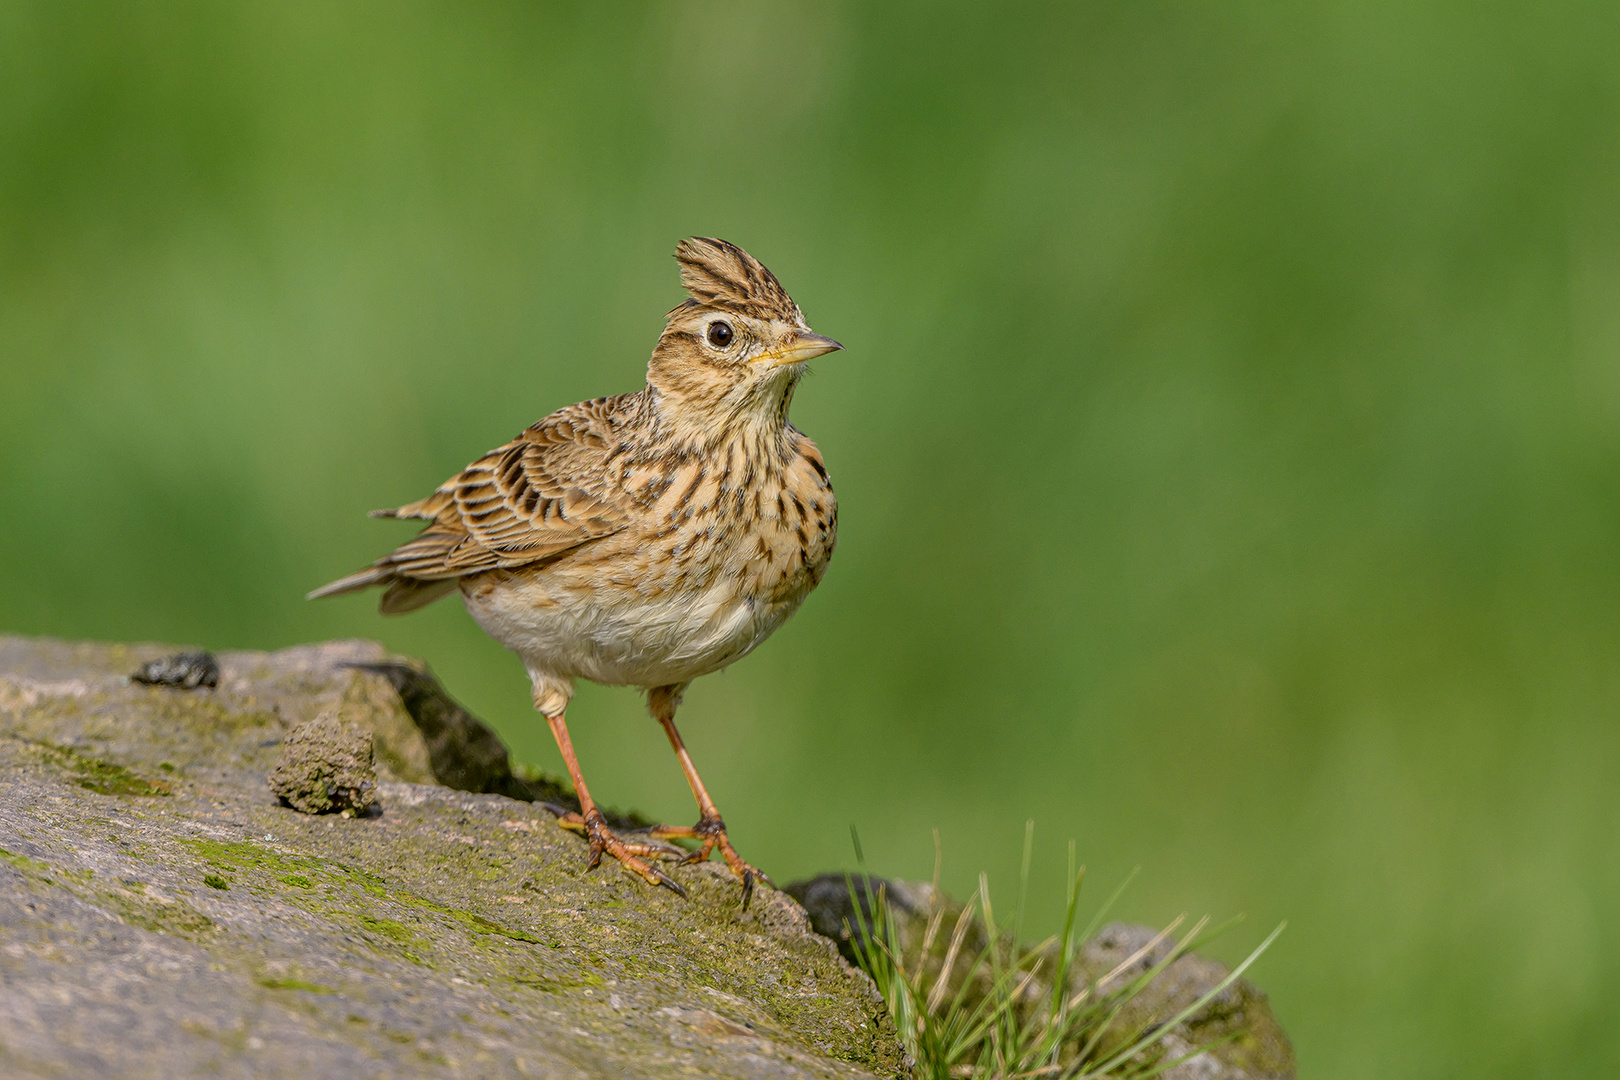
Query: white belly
646,642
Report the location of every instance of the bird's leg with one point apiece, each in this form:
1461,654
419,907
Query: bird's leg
710,830
590,821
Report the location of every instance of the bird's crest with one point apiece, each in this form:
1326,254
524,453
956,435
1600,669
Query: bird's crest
723,275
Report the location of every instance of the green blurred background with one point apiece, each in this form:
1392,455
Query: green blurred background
1227,445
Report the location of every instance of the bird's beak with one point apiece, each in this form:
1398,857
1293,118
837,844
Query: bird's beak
806,346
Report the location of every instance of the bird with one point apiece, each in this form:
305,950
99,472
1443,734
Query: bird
645,539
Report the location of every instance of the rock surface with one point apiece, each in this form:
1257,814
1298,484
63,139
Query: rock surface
1247,1042
161,915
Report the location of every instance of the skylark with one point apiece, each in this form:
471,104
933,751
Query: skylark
644,539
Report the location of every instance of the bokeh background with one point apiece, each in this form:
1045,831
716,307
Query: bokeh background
1227,445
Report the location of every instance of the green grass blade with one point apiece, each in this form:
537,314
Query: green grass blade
1204,999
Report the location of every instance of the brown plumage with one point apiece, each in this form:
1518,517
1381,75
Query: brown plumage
644,539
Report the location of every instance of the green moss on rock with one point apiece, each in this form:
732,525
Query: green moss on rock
295,984
105,777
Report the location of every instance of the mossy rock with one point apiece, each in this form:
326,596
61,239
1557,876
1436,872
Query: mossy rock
327,765
162,915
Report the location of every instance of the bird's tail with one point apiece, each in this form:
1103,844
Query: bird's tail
365,579
404,593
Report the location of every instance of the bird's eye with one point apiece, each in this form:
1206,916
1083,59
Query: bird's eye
719,334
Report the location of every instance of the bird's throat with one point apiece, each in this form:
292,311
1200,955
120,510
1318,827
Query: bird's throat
753,410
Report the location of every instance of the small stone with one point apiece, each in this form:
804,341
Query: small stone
325,767
184,671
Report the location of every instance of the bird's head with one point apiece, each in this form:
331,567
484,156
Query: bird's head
733,352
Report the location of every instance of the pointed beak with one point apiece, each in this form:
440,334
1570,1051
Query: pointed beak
806,346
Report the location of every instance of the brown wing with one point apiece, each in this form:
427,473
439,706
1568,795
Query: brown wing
544,493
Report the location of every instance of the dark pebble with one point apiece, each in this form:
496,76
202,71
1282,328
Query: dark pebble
184,671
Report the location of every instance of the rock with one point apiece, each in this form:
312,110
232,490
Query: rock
1246,1038
326,766
829,903
1239,1030
187,671
162,915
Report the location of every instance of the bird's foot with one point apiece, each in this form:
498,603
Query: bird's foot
630,853
711,833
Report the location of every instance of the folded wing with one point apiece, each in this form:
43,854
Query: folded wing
540,496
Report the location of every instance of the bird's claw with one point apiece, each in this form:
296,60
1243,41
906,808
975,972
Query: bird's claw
711,831
604,840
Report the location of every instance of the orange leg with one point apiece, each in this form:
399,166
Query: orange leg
590,821
710,829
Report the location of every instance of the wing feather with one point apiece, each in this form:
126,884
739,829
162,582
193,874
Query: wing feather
539,496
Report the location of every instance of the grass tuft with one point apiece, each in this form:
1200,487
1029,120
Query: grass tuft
991,1009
